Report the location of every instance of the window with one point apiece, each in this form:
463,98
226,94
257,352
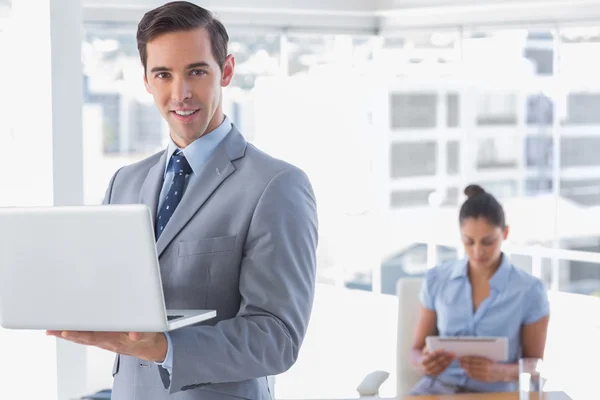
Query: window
538,186
424,54
255,56
577,152
410,198
579,144
501,189
310,54
539,51
413,110
585,192
540,109
410,262
495,108
453,110
539,152
497,152
413,159
582,108
453,150
421,198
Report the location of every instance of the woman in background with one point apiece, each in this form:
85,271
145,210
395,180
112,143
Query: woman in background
482,295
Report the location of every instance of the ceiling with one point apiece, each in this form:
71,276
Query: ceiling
358,16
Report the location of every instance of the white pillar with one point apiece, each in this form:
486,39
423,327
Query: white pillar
66,32
44,117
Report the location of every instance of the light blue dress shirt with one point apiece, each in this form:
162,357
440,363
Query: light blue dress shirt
516,299
197,154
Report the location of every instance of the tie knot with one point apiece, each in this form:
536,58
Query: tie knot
180,164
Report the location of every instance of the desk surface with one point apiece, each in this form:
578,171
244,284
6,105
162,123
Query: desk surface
489,396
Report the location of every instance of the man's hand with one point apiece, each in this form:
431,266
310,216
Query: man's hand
146,346
482,369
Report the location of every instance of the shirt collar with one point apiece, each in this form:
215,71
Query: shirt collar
500,278
460,269
200,150
498,281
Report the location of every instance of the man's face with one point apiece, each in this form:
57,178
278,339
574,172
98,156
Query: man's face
186,82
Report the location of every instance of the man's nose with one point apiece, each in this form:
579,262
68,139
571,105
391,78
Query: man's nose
182,90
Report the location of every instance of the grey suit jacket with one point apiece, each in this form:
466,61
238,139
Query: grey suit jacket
243,242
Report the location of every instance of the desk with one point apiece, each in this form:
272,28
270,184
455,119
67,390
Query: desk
488,396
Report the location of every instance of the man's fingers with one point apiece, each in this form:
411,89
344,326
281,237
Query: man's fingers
66,336
80,336
117,342
99,339
135,336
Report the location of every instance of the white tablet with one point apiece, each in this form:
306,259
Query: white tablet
494,348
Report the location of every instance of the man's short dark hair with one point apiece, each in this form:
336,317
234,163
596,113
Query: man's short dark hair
180,16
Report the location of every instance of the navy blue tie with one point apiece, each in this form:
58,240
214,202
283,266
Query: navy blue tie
181,168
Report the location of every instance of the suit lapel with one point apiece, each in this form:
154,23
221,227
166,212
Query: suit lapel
213,174
152,186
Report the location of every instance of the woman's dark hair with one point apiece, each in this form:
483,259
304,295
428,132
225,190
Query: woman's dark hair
480,203
180,16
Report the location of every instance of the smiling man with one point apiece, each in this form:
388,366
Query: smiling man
236,231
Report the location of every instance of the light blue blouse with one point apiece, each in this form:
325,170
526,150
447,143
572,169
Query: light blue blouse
516,299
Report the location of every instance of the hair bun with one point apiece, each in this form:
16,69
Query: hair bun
473,190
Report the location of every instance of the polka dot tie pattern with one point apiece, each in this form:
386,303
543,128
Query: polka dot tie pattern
181,168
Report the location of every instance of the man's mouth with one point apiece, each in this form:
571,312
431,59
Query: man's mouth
185,113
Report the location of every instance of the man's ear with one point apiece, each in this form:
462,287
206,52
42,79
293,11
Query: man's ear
228,69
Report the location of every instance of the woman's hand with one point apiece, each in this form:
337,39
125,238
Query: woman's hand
483,369
436,362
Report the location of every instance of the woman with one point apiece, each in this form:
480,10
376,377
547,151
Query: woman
482,295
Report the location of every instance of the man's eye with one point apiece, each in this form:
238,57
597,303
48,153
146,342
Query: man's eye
198,72
162,75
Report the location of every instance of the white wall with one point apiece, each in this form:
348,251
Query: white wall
28,366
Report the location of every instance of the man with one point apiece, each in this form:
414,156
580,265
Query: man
236,231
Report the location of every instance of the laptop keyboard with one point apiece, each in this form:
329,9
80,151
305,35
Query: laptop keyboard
172,317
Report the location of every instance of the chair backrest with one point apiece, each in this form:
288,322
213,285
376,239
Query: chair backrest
568,362
407,290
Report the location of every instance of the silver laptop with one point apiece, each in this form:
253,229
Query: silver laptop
84,268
